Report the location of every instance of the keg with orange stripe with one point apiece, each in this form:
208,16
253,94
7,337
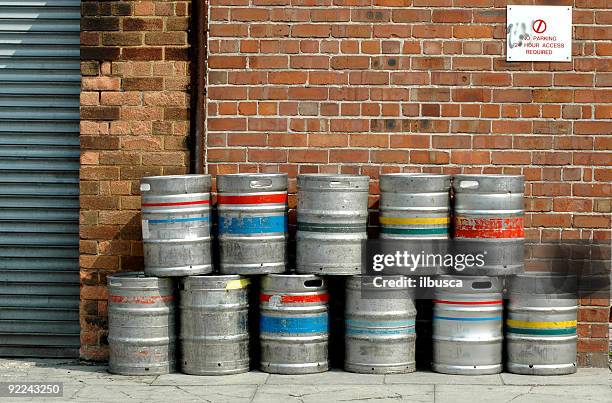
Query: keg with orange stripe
294,324
252,223
176,225
468,326
488,219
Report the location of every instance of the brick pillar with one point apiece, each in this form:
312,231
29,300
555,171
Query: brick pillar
134,123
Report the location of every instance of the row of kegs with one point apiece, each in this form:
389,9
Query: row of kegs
332,219
214,325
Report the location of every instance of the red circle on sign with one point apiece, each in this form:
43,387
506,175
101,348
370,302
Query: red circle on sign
539,26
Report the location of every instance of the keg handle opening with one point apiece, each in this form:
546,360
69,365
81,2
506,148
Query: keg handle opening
339,184
469,184
260,183
481,285
313,283
114,283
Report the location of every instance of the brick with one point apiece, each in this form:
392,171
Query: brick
349,62
99,24
143,24
100,53
472,31
100,112
148,53
121,39
100,84
348,156
142,83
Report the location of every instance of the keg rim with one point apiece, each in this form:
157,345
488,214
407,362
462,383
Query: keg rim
295,276
416,175
184,176
540,273
132,274
214,277
333,176
492,176
255,174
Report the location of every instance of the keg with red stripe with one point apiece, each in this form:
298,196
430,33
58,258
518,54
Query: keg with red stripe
252,223
141,324
176,225
294,324
488,220
468,325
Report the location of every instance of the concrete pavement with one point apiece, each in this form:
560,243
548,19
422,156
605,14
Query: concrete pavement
89,383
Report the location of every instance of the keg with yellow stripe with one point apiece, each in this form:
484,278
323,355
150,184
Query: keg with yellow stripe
414,205
541,324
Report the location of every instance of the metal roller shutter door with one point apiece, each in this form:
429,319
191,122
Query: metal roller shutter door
39,178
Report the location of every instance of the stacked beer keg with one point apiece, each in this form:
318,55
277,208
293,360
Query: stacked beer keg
252,308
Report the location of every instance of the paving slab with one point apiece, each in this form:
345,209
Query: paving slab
584,376
343,393
334,377
569,393
139,393
478,393
249,378
434,378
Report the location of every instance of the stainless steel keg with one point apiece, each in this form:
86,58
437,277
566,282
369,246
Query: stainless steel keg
141,324
380,325
252,223
214,331
468,325
294,324
488,217
332,219
176,225
414,206
541,324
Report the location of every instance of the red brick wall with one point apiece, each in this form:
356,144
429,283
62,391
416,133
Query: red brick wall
134,122
375,86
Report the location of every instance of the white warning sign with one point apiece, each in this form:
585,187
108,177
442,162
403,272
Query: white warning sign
539,33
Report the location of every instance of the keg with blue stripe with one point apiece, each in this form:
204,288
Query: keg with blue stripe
176,225
141,324
252,223
294,324
541,324
468,325
414,206
214,328
332,215
380,326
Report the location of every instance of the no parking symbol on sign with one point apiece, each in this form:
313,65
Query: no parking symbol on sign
539,33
